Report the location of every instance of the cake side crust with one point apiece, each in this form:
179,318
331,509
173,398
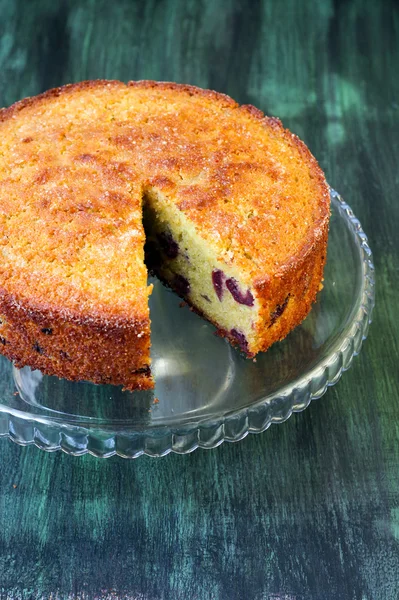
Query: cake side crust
286,299
91,348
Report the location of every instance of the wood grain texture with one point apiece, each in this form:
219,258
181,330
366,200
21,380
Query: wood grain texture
309,509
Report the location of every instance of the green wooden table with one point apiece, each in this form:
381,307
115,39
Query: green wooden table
309,509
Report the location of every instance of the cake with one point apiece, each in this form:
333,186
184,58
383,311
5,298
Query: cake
102,181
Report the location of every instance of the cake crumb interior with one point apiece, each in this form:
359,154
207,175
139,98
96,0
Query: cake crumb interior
193,267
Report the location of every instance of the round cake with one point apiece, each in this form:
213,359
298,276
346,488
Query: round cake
102,181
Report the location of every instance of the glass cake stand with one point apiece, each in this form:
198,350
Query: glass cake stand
206,391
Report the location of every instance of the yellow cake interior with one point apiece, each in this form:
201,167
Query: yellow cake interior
193,267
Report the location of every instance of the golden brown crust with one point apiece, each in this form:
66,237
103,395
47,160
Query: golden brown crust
75,347
74,162
10,111
287,298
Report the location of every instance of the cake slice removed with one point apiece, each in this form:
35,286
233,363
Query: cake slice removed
236,214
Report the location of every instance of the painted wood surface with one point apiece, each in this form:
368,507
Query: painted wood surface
309,509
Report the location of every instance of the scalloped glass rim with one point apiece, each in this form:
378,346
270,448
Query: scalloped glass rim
52,433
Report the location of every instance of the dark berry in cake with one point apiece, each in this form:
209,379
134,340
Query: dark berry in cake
237,294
